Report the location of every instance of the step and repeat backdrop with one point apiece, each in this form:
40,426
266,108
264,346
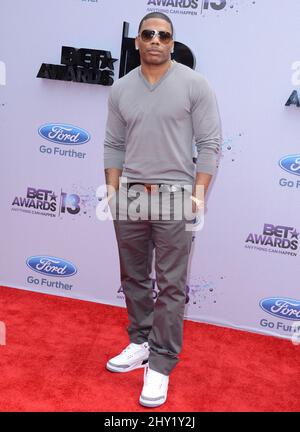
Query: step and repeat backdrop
58,59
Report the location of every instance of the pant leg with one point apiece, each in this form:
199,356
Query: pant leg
135,254
172,247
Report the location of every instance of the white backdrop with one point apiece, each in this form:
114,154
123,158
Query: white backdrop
243,270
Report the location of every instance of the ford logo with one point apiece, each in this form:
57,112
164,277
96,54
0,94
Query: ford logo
282,307
291,164
51,266
64,134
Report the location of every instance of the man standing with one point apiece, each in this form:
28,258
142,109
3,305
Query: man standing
154,113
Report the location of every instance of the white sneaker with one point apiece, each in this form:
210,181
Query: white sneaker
134,356
155,388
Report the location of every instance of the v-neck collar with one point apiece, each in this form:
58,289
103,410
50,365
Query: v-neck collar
152,87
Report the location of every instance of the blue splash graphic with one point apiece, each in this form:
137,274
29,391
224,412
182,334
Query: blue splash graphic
85,198
231,147
204,291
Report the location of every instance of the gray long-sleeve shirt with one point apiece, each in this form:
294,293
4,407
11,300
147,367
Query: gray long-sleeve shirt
150,128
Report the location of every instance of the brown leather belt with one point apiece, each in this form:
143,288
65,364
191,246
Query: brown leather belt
151,187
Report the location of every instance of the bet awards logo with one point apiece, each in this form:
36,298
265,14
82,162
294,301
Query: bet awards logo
46,202
183,6
93,66
174,3
275,238
193,4
81,65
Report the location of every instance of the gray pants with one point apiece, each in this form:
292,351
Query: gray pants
159,323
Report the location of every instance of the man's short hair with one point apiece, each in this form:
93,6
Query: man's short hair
159,15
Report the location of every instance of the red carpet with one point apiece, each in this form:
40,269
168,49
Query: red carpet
56,350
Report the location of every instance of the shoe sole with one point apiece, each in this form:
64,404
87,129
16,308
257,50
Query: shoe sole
138,365
150,404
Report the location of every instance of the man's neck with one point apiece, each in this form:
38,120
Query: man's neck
153,73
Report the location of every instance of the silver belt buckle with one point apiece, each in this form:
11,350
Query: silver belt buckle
174,188
169,188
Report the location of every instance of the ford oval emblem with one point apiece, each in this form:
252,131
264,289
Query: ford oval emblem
291,164
282,307
64,134
51,266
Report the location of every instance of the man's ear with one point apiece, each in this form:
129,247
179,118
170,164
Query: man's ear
136,43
